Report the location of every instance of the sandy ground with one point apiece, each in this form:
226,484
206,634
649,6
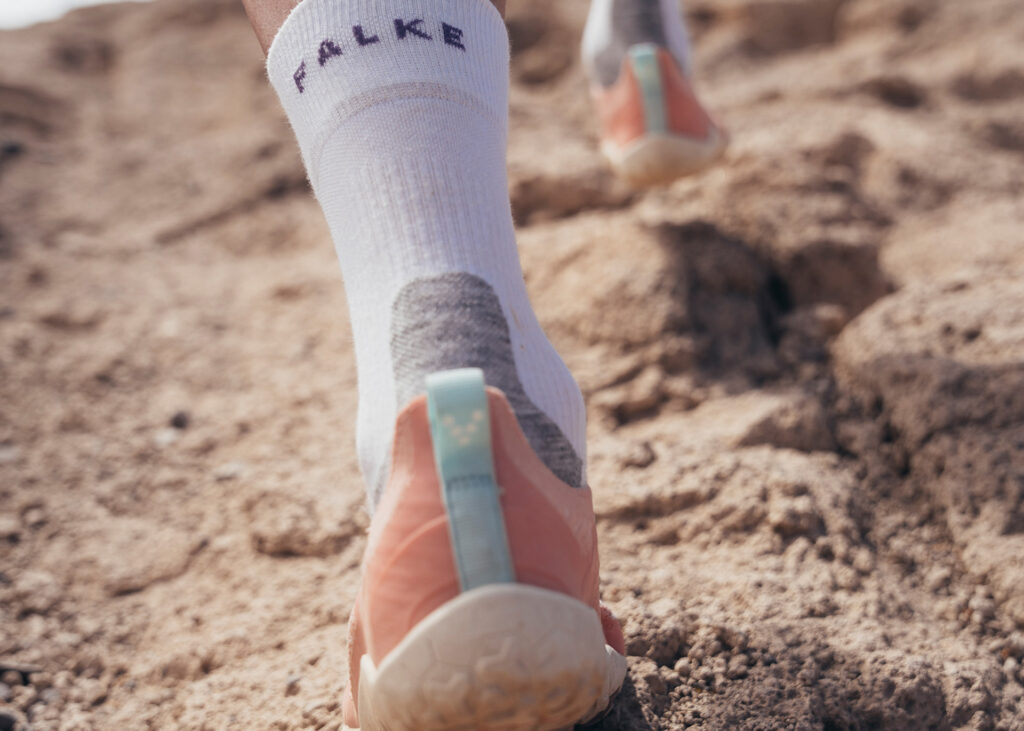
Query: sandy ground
804,371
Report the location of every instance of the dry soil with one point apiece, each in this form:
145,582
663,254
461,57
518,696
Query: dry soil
804,371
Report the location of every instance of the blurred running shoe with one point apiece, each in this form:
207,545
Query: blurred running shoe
653,128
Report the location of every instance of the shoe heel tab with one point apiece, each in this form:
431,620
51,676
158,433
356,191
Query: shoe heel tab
460,423
643,59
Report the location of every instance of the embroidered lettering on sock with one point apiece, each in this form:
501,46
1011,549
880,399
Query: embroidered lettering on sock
361,38
451,35
328,49
403,28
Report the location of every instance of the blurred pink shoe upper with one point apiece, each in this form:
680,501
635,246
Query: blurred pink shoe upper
620,107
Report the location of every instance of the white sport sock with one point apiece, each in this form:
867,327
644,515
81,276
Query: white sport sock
400,108
615,25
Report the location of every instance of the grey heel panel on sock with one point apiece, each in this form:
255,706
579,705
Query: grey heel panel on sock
456,321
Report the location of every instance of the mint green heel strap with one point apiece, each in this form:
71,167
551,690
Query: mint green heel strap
644,58
460,427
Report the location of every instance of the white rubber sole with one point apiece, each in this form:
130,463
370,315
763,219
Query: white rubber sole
658,159
506,657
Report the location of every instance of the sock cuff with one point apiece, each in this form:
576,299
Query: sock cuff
334,58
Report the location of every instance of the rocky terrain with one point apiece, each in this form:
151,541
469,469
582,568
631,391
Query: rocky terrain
804,371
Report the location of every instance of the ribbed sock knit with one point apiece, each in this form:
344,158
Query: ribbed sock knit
400,108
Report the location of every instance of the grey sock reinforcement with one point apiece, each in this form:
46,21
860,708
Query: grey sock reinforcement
455,321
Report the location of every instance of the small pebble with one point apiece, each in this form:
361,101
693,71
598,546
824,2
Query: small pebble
737,667
996,646
24,696
312,708
10,529
11,149
228,471
639,455
937,578
683,667
41,681
292,685
982,609
165,437
8,453
34,517
10,678
737,639
180,420
655,684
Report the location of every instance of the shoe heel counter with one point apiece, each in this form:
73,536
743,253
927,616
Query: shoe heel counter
550,525
440,530
457,516
682,111
408,569
620,108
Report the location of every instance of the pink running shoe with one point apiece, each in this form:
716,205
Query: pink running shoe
653,128
479,604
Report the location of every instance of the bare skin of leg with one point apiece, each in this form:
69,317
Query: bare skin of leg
267,16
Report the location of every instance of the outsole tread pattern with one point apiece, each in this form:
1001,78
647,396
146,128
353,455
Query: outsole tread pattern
501,658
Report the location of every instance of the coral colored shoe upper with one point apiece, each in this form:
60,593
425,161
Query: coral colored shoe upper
409,569
624,116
